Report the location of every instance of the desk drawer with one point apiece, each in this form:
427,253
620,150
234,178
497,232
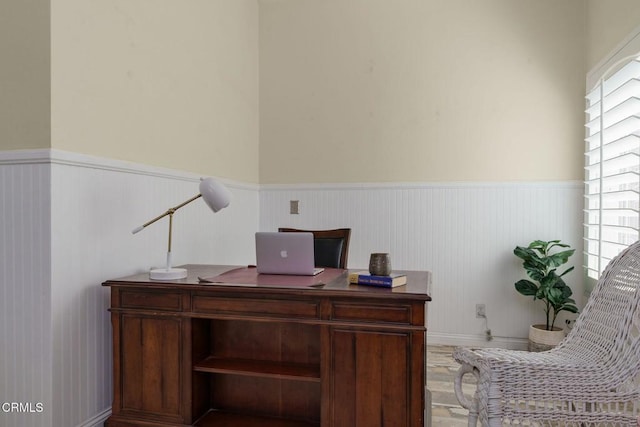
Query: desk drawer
249,306
371,312
169,301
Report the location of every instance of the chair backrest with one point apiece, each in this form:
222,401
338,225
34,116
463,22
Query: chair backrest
331,247
607,330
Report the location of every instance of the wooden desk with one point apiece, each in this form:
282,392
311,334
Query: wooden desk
340,355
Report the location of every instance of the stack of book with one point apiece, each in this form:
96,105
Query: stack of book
365,278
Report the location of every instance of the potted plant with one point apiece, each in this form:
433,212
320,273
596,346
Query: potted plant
547,285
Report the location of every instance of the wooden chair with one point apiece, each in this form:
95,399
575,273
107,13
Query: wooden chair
331,247
591,378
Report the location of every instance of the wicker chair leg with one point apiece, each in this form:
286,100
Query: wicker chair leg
471,405
473,419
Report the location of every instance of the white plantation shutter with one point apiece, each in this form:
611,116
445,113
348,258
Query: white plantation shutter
612,163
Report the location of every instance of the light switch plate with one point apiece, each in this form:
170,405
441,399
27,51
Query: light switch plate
293,207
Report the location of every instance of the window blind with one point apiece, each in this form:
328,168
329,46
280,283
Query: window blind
612,166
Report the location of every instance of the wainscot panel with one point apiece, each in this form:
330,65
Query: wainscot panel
464,233
66,222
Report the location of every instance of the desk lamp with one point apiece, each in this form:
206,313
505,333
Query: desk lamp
216,196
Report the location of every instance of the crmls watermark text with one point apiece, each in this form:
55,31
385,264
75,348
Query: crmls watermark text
22,407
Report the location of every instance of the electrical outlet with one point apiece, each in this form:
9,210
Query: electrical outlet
480,311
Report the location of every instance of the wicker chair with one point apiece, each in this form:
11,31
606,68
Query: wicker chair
591,378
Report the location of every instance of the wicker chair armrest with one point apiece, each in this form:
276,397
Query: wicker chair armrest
465,368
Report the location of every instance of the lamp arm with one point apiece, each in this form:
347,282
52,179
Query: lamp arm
170,211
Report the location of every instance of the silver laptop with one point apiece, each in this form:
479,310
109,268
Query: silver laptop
285,253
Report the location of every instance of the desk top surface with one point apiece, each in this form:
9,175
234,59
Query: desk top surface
332,282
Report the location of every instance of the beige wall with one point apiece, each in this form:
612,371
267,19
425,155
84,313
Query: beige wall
408,90
414,90
159,82
608,24
24,74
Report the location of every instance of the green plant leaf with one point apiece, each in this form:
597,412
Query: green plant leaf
559,258
549,280
570,307
525,254
567,271
566,292
554,243
526,287
541,245
554,295
535,274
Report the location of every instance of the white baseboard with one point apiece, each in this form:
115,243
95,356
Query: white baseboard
97,420
435,338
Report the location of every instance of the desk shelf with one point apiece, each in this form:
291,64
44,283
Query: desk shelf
249,367
258,368
227,419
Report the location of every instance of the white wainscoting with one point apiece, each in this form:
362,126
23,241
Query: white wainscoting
25,294
66,222
464,233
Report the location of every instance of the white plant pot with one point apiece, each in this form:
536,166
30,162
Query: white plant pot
542,340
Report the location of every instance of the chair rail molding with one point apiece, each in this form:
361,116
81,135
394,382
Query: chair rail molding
68,158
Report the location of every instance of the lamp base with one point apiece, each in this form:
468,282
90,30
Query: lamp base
167,273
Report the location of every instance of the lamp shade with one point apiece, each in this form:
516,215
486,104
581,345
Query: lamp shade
215,194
